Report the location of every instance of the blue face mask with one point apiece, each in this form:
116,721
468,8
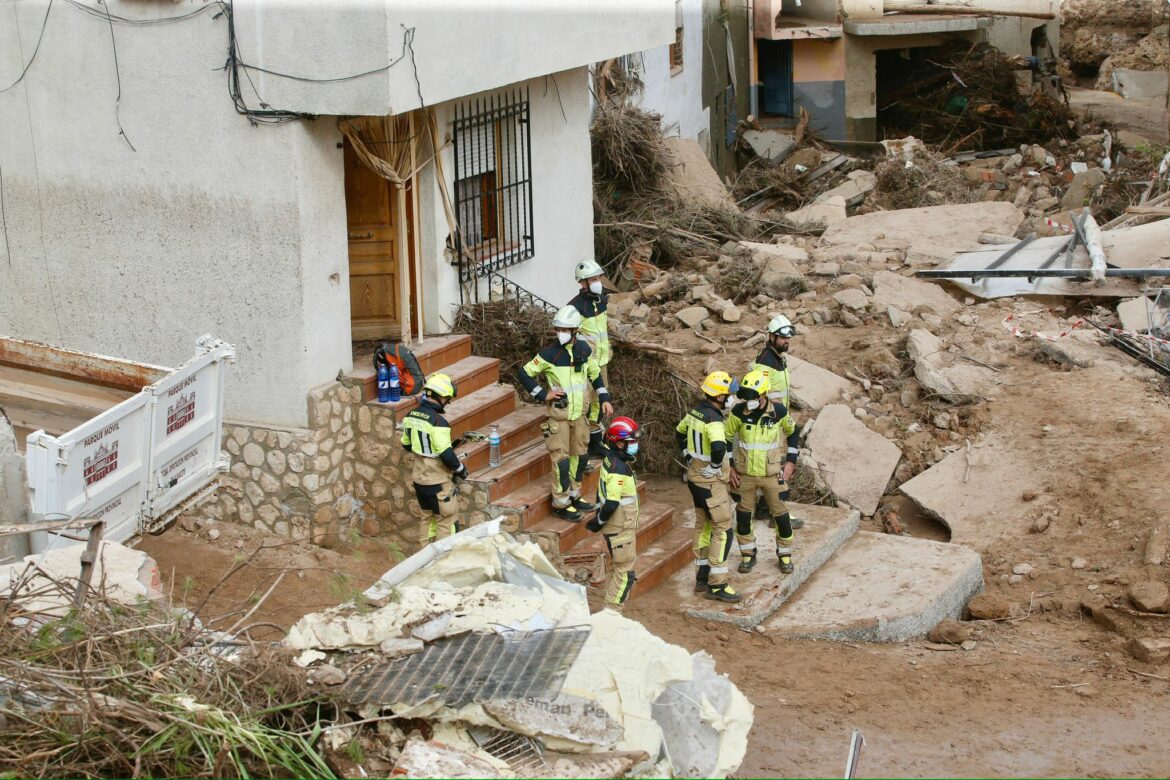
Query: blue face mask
632,448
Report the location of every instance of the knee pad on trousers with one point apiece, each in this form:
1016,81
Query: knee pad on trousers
743,523
579,472
631,578
563,473
728,538
784,526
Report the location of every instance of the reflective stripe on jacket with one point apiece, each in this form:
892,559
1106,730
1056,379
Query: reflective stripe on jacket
570,368
594,323
775,365
758,439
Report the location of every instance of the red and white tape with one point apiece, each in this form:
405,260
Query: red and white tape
1023,334
1059,226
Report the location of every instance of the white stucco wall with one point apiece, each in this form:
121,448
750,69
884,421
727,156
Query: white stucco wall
459,47
212,225
561,195
677,96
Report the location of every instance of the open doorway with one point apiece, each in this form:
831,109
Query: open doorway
380,220
776,88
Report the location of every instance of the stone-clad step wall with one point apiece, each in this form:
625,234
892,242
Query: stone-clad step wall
345,474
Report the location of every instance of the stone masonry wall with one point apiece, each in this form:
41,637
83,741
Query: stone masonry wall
343,476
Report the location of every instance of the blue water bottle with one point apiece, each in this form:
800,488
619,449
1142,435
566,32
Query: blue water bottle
395,388
383,383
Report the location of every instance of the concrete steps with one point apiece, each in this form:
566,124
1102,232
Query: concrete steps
571,534
666,558
527,464
882,588
517,429
435,353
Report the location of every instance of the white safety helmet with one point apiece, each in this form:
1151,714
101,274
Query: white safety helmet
781,326
587,269
567,318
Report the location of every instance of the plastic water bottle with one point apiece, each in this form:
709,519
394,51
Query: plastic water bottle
395,387
494,446
383,383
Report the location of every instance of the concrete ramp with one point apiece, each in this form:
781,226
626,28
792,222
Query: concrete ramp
882,588
765,589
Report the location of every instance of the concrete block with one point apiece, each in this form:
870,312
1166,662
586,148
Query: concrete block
852,191
1134,314
977,493
813,387
942,373
1150,651
768,255
882,588
693,316
827,212
906,294
851,299
765,588
772,145
854,462
932,234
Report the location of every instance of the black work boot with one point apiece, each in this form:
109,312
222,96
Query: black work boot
568,512
701,575
786,566
582,505
796,522
723,593
747,562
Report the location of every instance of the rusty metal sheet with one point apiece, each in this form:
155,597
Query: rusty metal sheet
87,366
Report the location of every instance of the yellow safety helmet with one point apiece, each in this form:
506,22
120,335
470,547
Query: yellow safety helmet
717,383
441,385
754,385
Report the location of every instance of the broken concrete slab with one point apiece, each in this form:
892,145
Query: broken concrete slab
850,460
1150,596
907,294
1081,188
977,493
852,298
435,759
691,175
882,588
814,387
856,186
125,575
898,318
934,233
765,588
693,316
577,719
772,145
1149,650
1078,348
1139,84
830,211
620,763
774,258
1135,314
942,372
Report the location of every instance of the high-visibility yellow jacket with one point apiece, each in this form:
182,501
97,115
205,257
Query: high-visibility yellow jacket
702,439
594,323
757,439
775,365
617,490
426,434
571,368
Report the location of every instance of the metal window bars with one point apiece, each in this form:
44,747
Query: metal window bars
493,183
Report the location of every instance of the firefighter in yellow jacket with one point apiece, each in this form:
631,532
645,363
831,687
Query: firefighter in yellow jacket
773,362
426,435
592,304
617,519
568,368
701,438
763,438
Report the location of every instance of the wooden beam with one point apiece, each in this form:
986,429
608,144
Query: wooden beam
967,10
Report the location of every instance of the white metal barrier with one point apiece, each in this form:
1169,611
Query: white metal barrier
136,465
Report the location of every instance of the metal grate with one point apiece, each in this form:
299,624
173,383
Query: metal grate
519,752
493,183
474,667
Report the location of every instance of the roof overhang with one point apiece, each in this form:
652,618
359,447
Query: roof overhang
912,24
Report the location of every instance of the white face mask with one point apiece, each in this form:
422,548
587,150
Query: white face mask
730,402
753,405
563,337
632,448
595,288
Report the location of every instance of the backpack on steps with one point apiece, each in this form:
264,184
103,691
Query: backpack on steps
410,374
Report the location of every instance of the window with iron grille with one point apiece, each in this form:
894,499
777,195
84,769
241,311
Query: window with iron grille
493,183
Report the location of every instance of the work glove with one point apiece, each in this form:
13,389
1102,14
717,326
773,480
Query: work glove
595,524
710,472
461,472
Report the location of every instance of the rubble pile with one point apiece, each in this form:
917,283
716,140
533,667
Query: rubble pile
602,698
1090,30
1149,53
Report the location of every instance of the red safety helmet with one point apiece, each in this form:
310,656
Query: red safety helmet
622,429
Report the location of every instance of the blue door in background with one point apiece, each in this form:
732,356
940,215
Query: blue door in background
776,77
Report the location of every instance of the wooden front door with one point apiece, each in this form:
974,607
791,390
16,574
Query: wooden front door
372,214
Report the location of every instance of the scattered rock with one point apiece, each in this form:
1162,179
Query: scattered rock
1080,189
906,294
969,645
1150,596
693,316
851,299
1079,563
708,348
731,314
950,632
829,212
213,534
327,674
1134,314
850,320
852,191
639,312
397,647
1041,523
1022,568
898,318
827,269
988,606
1149,650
